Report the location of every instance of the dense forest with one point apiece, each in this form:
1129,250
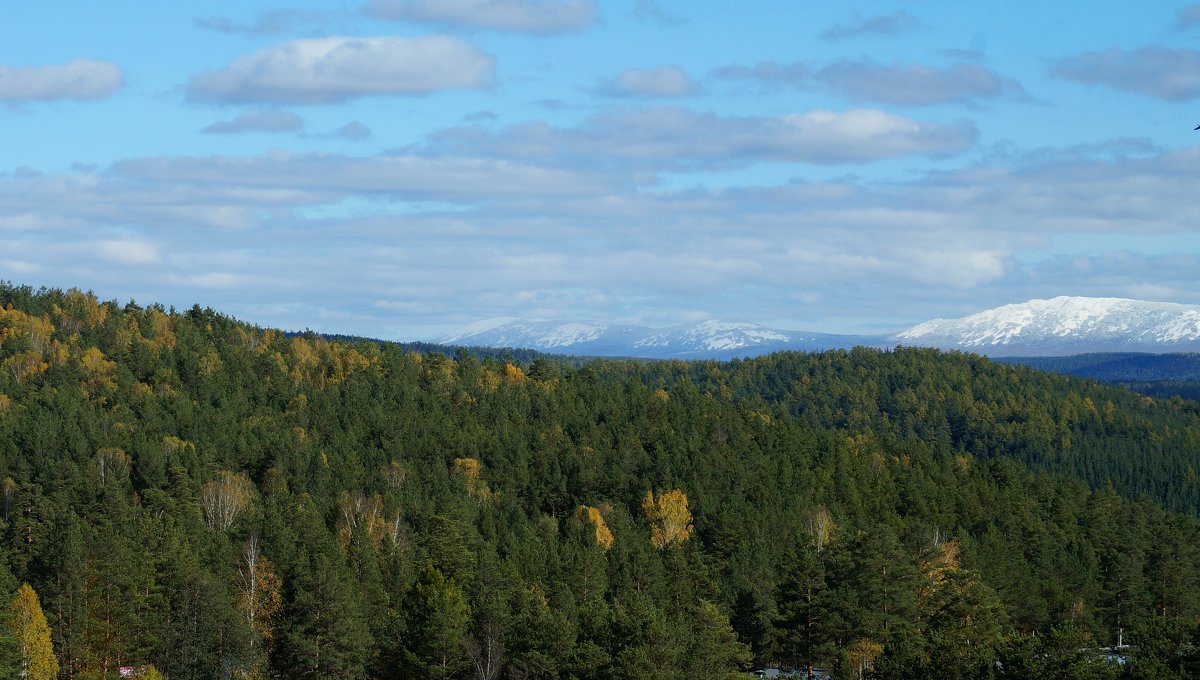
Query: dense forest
1158,375
185,495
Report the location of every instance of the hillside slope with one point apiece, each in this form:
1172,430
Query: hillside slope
187,490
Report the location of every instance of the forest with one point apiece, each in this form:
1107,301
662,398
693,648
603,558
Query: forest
186,495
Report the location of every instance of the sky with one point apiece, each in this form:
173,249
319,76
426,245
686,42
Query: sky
400,169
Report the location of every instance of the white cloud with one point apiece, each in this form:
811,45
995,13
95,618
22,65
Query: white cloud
678,138
661,81
1166,73
127,251
511,237
316,177
327,70
915,84
78,79
19,266
864,80
529,16
257,120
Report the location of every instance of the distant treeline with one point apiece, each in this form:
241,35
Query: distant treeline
1158,375
1118,367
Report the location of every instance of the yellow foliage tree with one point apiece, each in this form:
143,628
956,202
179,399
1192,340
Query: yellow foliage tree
302,359
25,365
210,364
604,535
35,331
79,311
513,375
471,472
940,565
669,518
820,526
862,656
33,636
100,372
261,589
160,328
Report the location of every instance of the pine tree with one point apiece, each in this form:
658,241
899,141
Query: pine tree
714,652
438,627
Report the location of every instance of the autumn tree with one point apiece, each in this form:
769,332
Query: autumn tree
604,535
260,591
862,655
820,526
224,498
24,365
113,466
669,518
358,512
33,636
471,472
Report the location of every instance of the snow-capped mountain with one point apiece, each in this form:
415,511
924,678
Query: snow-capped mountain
1063,326
707,339
1055,327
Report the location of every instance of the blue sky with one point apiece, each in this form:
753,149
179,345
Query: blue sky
402,168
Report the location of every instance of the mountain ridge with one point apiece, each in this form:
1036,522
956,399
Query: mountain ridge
1059,326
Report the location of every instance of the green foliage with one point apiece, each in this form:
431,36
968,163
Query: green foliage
898,514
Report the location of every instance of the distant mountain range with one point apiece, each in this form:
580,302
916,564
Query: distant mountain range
704,340
1063,326
1057,327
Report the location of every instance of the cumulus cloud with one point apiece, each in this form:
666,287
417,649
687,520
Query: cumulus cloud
677,138
78,79
323,177
915,84
890,24
489,237
529,16
901,84
335,69
1172,74
257,120
659,82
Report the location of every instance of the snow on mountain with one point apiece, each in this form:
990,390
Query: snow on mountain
546,335
1059,326
1065,325
707,339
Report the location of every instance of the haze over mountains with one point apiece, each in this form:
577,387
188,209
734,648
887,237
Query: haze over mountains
1055,327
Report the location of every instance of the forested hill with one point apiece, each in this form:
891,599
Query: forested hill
187,491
